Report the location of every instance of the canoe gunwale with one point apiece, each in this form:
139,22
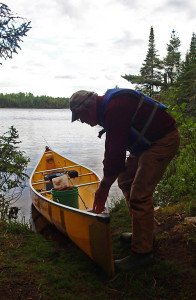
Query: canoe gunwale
105,218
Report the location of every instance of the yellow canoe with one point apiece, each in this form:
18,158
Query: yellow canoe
89,231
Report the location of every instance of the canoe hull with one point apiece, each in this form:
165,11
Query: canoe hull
89,231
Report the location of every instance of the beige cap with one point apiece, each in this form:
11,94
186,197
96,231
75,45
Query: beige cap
77,99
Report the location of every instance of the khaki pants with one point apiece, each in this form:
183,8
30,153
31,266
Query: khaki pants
143,172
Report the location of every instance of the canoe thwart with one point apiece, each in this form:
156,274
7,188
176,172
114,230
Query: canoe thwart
56,169
47,181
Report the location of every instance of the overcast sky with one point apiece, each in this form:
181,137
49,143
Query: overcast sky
89,44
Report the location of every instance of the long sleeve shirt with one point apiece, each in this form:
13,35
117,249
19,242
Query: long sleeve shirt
117,122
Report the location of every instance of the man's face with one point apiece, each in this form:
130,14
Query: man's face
87,114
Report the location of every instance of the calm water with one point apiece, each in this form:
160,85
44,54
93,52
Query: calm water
38,128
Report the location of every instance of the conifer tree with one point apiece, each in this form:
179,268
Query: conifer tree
187,79
150,78
185,86
12,29
172,60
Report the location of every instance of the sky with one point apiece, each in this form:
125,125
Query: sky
89,44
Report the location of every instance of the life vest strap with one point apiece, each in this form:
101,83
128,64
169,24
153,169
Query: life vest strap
143,131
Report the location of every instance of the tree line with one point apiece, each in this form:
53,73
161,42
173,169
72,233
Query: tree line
28,100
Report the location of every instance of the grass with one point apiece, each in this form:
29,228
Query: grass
33,267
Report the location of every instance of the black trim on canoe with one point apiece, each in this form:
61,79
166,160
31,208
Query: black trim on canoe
103,219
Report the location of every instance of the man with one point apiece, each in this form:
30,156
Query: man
136,123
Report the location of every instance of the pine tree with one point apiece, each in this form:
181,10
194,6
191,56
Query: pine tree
187,79
150,77
12,29
172,60
186,83
152,66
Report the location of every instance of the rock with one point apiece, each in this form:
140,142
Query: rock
190,220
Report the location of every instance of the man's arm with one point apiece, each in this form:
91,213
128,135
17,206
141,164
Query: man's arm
117,122
102,193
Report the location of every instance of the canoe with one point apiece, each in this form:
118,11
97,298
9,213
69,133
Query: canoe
89,231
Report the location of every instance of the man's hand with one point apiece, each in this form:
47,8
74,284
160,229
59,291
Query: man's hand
100,199
102,194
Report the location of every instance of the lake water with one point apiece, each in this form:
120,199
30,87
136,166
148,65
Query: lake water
38,128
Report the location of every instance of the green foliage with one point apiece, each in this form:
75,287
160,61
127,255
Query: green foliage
28,100
54,269
16,227
163,280
178,91
120,210
150,70
157,76
179,179
138,79
150,78
12,29
183,90
13,163
172,60
186,82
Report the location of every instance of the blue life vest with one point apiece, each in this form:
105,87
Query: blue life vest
137,141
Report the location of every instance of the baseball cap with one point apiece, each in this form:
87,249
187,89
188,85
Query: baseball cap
77,100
